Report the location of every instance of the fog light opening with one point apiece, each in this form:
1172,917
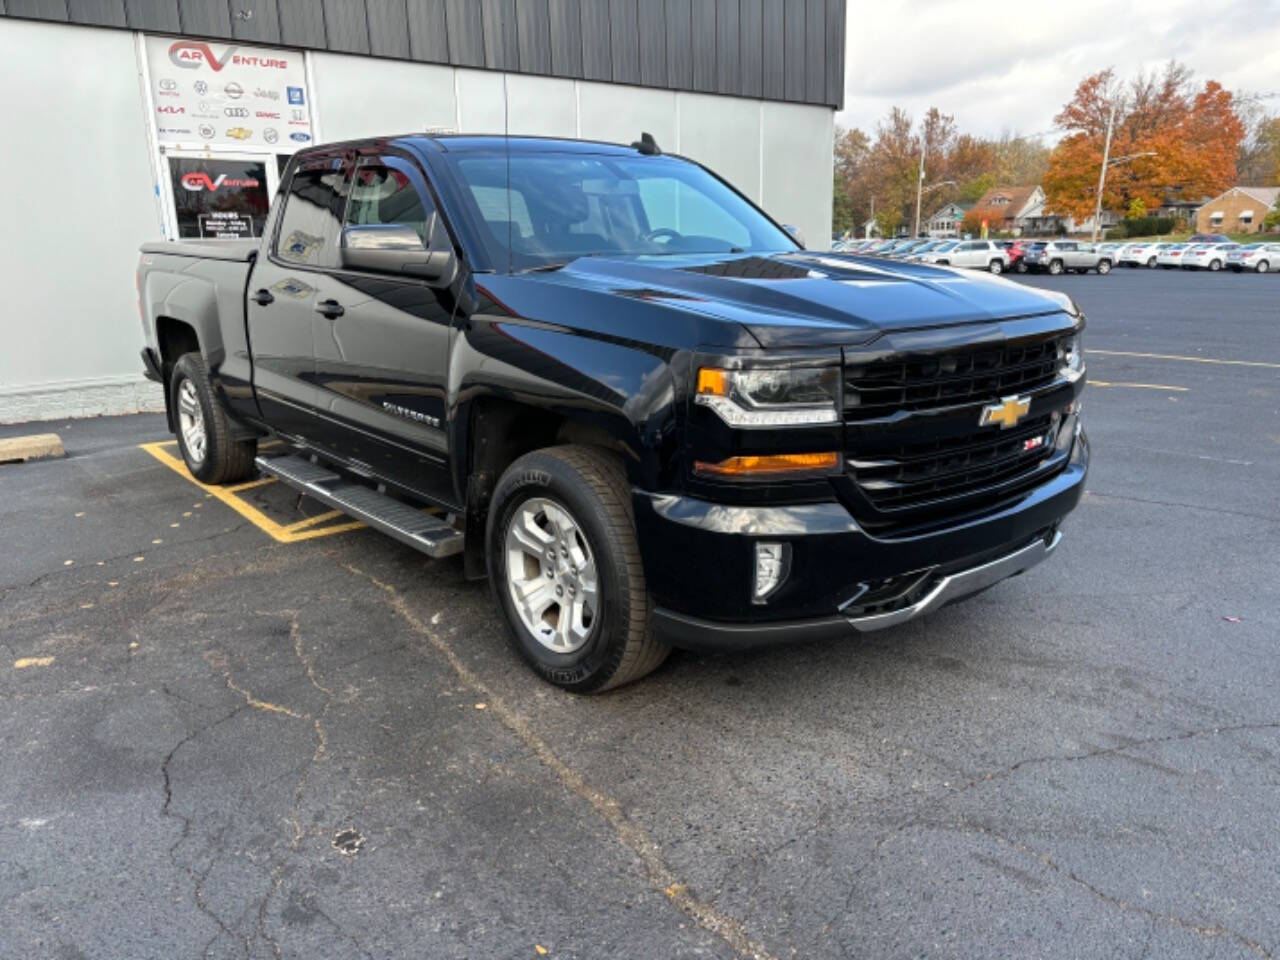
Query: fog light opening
773,564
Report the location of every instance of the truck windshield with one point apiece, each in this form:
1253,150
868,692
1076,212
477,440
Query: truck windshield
564,206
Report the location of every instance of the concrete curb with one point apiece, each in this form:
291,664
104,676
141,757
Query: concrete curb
36,446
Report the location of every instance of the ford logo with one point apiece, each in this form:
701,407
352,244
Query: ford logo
300,137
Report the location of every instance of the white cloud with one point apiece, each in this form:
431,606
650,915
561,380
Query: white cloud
1011,66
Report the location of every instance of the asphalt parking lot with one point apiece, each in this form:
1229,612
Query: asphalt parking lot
244,732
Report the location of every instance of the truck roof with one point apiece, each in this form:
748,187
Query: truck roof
473,142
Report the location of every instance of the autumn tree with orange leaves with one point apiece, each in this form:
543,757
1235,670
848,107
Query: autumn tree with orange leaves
1182,141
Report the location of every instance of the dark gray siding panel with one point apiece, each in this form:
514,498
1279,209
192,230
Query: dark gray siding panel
703,36
388,28
835,53
772,49
679,15
624,41
751,48
98,13
302,24
773,74
533,34
347,26
727,41
596,44
428,31
793,50
262,27
499,27
466,33
158,16
652,34
38,9
815,51
566,38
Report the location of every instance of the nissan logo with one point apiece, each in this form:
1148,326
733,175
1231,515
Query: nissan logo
234,90
236,111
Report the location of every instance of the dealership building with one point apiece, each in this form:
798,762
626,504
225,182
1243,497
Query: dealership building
132,120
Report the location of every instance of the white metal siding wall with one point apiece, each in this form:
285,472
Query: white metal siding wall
78,201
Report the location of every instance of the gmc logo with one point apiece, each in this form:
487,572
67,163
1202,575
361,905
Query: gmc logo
195,182
267,115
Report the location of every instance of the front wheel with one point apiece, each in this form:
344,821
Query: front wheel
1263,266
1104,266
204,433
564,567
1055,267
1152,262
1215,265
996,266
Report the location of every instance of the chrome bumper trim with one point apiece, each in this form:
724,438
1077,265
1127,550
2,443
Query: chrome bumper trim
960,584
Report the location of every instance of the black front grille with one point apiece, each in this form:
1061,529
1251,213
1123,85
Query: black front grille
880,388
916,473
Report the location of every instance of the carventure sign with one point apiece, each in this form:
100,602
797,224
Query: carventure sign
193,54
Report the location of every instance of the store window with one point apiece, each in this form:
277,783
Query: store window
219,199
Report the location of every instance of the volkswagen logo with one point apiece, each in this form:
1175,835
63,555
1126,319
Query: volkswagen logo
200,87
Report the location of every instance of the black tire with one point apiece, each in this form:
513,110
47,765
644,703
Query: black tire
1263,266
1055,267
996,266
1152,263
1215,266
1020,267
1104,267
592,485
225,460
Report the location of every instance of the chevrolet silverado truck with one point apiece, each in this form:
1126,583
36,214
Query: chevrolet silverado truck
623,394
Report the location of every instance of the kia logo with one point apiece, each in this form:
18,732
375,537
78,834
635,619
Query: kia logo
198,181
234,90
300,137
189,54
171,109
236,111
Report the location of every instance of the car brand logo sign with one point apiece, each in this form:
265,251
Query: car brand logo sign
295,95
267,115
200,87
171,109
236,111
300,137
270,135
168,85
234,90
207,131
1006,413
262,94
239,133
195,182
190,55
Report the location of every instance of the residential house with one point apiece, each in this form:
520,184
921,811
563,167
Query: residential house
1014,203
1239,210
946,221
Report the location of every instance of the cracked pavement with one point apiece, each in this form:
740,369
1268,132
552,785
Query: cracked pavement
1083,762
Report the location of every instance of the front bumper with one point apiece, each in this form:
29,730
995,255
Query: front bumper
699,561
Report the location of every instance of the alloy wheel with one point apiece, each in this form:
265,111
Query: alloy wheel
551,575
191,422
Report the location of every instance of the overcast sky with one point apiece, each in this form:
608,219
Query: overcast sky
1012,65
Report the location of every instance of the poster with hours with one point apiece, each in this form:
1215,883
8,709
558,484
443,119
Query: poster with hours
228,95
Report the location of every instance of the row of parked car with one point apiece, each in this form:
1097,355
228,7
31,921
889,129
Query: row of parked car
1203,251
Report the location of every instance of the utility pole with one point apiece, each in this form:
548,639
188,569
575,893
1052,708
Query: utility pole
873,217
924,145
1102,174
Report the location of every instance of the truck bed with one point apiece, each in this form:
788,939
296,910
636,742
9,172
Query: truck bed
240,250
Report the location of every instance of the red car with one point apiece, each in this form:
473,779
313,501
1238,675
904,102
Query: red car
1016,249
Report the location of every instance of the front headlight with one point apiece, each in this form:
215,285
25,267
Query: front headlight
771,396
1071,356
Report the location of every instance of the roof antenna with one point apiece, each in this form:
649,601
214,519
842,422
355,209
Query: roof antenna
647,145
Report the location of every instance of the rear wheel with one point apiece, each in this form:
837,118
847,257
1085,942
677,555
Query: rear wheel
1152,262
1020,267
1215,265
1104,266
204,433
564,566
1055,267
996,266
1263,266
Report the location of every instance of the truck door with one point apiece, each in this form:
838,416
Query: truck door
284,288
381,357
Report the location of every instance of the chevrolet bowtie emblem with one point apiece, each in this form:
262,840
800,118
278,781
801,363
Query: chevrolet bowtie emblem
1007,412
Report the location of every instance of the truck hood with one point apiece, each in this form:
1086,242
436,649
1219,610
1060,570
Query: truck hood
810,299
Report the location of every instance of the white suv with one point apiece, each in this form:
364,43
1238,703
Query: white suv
980,254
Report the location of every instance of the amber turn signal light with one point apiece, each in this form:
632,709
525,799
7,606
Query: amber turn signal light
713,381
770,465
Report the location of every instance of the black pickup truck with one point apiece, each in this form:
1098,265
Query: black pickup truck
624,394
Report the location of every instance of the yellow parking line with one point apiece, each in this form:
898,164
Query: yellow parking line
1170,356
312,521
240,487
1139,386
281,533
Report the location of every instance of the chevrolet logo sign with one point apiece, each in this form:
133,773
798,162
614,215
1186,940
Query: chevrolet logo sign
1007,412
